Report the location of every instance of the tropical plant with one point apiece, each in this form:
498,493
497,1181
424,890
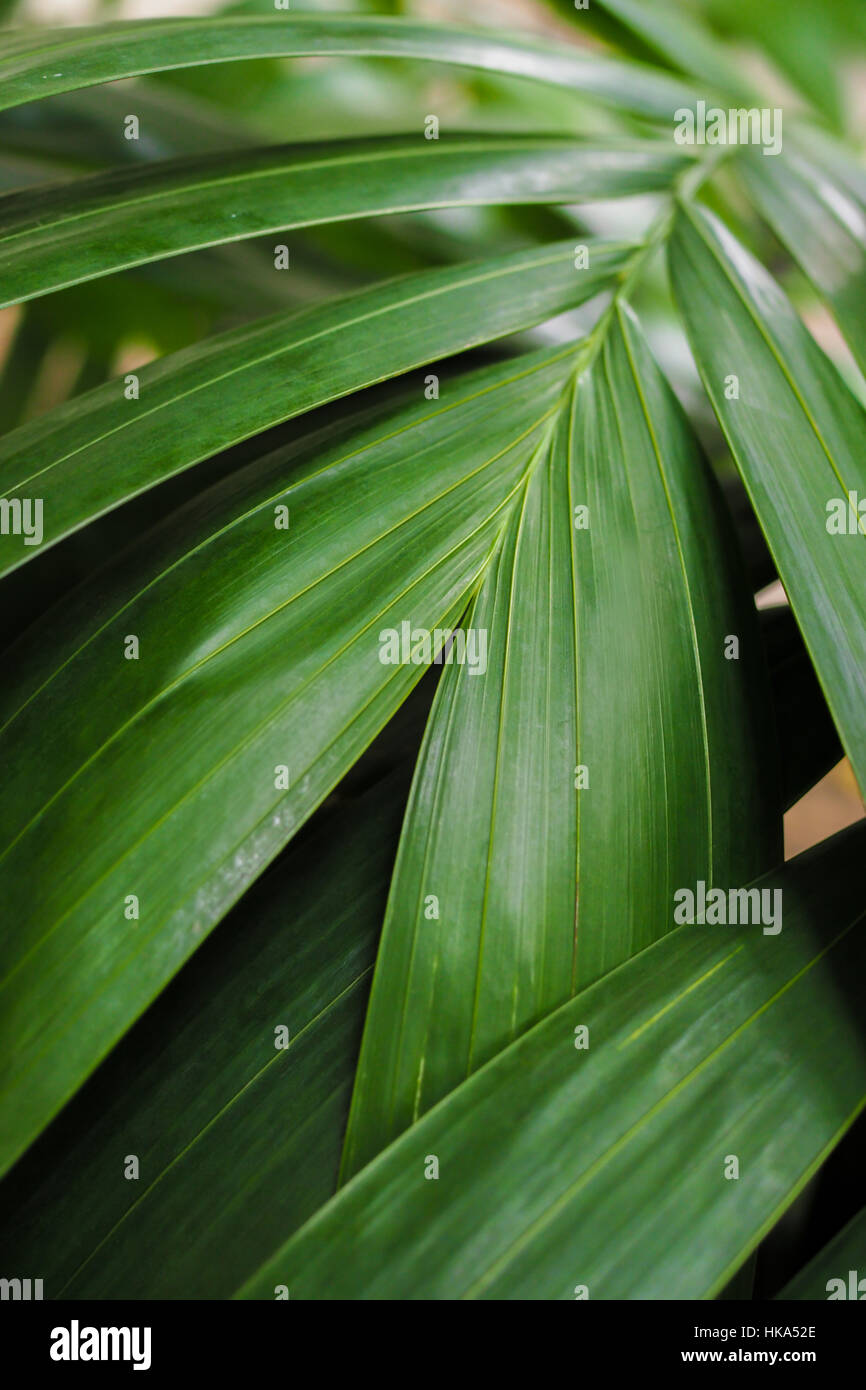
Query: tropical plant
468,429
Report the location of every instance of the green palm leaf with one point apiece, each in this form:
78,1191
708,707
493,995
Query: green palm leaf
668,34
66,233
200,1088
34,65
796,434
605,1168
823,225
101,448
596,682
277,666
225,573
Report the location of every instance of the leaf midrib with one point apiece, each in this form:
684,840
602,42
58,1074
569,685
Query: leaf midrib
696,655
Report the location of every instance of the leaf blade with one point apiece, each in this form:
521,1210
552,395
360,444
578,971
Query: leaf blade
607,686
604,1168
231,1134
101,449
34,65
67,233
796,434
823,225
255,638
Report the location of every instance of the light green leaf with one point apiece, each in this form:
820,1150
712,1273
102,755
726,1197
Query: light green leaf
672,35
840,160
174,777
797,436
823,226
37,64
605,1168
804,42
101,449
610,753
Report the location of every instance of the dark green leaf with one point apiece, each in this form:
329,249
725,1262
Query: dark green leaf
606,1167
160,778
102,449
64,233
233,1137
843,1256
607,667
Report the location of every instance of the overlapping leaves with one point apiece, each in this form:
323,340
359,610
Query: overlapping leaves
170,726
602,693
